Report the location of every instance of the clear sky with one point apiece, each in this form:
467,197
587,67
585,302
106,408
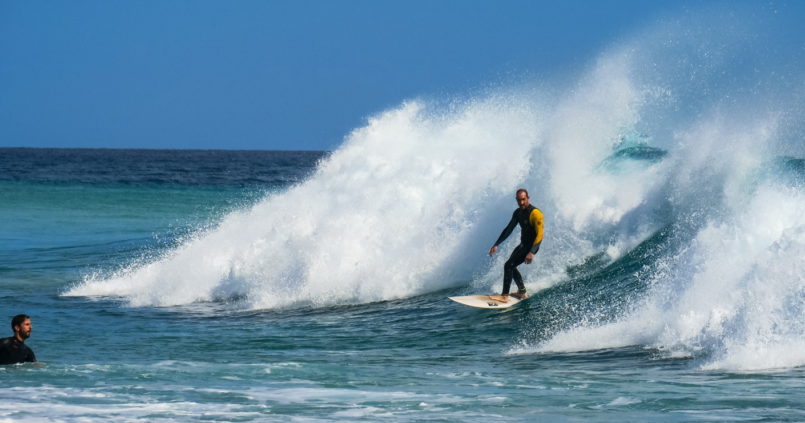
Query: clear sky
278,75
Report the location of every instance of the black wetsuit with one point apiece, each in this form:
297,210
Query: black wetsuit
530,221
13,351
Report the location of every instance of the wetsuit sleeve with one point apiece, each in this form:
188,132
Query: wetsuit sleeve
31,358
5,352
536,222
508,229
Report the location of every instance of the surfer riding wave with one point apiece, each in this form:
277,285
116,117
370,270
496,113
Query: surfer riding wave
530,220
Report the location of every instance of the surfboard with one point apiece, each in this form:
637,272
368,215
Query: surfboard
485,301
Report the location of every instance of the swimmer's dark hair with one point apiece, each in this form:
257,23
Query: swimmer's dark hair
18,319
522,190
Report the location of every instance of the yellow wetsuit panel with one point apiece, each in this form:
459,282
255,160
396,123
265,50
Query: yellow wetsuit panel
536,222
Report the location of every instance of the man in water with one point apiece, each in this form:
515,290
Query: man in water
530,220
13,350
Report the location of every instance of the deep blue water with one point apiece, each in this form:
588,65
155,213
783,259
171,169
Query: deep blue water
77,217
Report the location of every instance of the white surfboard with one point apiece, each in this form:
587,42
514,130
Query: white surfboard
485,301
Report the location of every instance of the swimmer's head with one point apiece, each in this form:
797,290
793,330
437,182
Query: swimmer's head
21,325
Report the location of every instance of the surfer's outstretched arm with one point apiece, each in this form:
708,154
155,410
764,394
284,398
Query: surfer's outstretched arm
505,234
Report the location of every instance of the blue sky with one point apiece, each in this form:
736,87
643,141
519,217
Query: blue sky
276,75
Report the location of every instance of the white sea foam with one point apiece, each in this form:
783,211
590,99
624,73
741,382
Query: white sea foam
411,203
736,294
388,215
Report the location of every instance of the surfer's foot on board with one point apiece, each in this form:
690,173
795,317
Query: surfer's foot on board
503,298
521,295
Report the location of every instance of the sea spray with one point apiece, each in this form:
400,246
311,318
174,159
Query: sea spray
729,291
732,293
377,221
733,297
412,201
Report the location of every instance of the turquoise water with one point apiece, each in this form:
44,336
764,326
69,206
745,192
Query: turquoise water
276,352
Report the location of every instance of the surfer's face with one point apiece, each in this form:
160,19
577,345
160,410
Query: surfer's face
522,200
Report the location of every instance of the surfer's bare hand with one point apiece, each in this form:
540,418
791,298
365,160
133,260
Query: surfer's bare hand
493,250
529,257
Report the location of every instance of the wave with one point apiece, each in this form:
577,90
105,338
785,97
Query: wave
667,131
381,218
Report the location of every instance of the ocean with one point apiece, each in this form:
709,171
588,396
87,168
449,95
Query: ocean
179,285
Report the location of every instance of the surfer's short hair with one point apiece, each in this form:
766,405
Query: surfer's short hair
522,190
18,319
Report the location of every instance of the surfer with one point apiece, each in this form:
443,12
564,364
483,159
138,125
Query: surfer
13,349
530,220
